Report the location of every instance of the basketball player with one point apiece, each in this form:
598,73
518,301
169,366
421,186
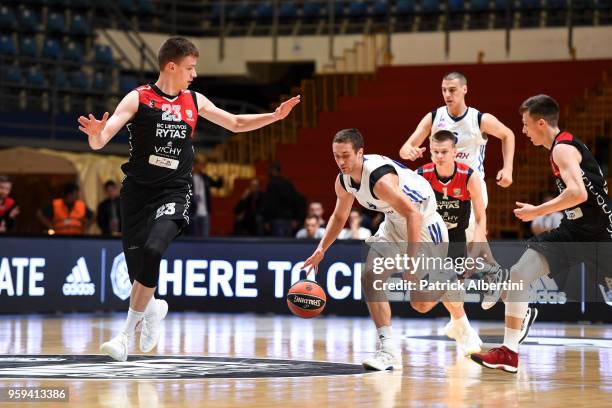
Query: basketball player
456,190
156,191
409,205
588,219
471,128
458,193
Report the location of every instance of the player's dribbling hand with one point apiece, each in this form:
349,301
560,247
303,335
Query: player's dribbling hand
92,126
312,263
525,212
504,178
414,153
285,108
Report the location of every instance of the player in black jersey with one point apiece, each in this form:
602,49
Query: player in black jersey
156,191
456,193
455,190
585,232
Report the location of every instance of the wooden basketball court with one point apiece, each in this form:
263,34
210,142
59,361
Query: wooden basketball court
561,365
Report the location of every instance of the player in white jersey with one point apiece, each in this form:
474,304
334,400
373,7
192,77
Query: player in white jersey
471,128
412,227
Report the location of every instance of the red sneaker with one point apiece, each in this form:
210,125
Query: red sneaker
500,357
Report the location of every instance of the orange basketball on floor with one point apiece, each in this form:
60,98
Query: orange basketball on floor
306,299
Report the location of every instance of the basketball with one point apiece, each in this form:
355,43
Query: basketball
306,299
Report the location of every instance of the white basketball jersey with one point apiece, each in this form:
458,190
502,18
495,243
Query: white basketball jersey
470,140
416,188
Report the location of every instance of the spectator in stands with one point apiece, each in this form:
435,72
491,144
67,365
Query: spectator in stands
281,204
109,211
300,211
545,223
248,211
355,230
201,210
8,207
67,215
316,208
311,229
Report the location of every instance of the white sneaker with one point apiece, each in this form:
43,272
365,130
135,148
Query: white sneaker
384,360
450,330
469,342
467,339
493,274
117,347
150,326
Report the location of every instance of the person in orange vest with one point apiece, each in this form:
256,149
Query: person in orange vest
67,215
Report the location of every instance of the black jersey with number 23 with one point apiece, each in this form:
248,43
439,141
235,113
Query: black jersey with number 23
161,134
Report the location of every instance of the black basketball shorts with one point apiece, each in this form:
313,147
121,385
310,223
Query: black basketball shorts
564,247
142,206
457,245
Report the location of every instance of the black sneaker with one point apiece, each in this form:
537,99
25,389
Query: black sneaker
532,314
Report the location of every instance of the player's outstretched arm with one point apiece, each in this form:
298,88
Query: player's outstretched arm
411,150
387,189
243,123
492,126
100,132
568,160
480,213
344,203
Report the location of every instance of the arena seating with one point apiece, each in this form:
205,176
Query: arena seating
48,35
58,36
254,17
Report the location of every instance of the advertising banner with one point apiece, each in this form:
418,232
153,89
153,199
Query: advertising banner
51,275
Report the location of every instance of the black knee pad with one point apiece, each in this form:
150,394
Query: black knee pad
162,233
149,275
133,259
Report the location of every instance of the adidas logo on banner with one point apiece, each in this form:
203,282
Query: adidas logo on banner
78,282
545,290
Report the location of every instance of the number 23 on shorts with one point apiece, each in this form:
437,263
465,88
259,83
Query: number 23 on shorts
166,209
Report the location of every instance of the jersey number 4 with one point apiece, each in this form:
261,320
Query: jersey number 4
166,209
171,113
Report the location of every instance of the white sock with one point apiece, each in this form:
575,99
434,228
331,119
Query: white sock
386,340
133,318
511,338
150,306
462,322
